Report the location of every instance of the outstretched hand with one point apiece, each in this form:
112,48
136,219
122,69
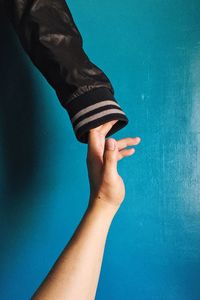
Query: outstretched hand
102,159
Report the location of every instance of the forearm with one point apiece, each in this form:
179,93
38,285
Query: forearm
76,272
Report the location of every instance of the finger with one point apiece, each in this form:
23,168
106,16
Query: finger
123,143
94,144
110,157
126,152
105,128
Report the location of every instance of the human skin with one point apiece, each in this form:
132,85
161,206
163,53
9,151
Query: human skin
75,274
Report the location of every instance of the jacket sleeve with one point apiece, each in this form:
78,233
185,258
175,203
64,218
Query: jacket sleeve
50,37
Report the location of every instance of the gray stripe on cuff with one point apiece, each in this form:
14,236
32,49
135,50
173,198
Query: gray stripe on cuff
97,116
92,107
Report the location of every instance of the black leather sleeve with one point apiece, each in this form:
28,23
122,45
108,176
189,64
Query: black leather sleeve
51,39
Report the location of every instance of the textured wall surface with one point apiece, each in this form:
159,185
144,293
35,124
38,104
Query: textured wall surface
151,52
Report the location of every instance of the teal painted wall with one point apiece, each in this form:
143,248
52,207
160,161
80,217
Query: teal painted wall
150,50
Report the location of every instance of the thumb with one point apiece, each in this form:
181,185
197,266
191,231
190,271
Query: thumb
110,155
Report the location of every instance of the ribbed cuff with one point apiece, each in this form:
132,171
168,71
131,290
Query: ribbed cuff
93,109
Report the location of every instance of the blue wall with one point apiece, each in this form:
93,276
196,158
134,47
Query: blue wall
150,50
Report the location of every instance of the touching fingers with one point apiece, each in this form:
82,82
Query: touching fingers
105,128
97,140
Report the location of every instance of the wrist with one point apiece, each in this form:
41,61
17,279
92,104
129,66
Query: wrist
102,207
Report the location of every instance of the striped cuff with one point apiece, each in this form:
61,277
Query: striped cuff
92,109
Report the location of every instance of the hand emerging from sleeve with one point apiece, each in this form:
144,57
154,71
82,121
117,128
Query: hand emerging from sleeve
102,159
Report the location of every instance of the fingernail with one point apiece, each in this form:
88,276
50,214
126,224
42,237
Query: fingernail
110,144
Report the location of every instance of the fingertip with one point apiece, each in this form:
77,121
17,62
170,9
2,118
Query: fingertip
138,139
132,150
111,144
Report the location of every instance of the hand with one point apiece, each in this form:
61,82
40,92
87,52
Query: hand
105,182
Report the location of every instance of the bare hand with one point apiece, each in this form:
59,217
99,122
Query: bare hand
105,182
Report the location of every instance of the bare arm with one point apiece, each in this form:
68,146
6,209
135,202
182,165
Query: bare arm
76,272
